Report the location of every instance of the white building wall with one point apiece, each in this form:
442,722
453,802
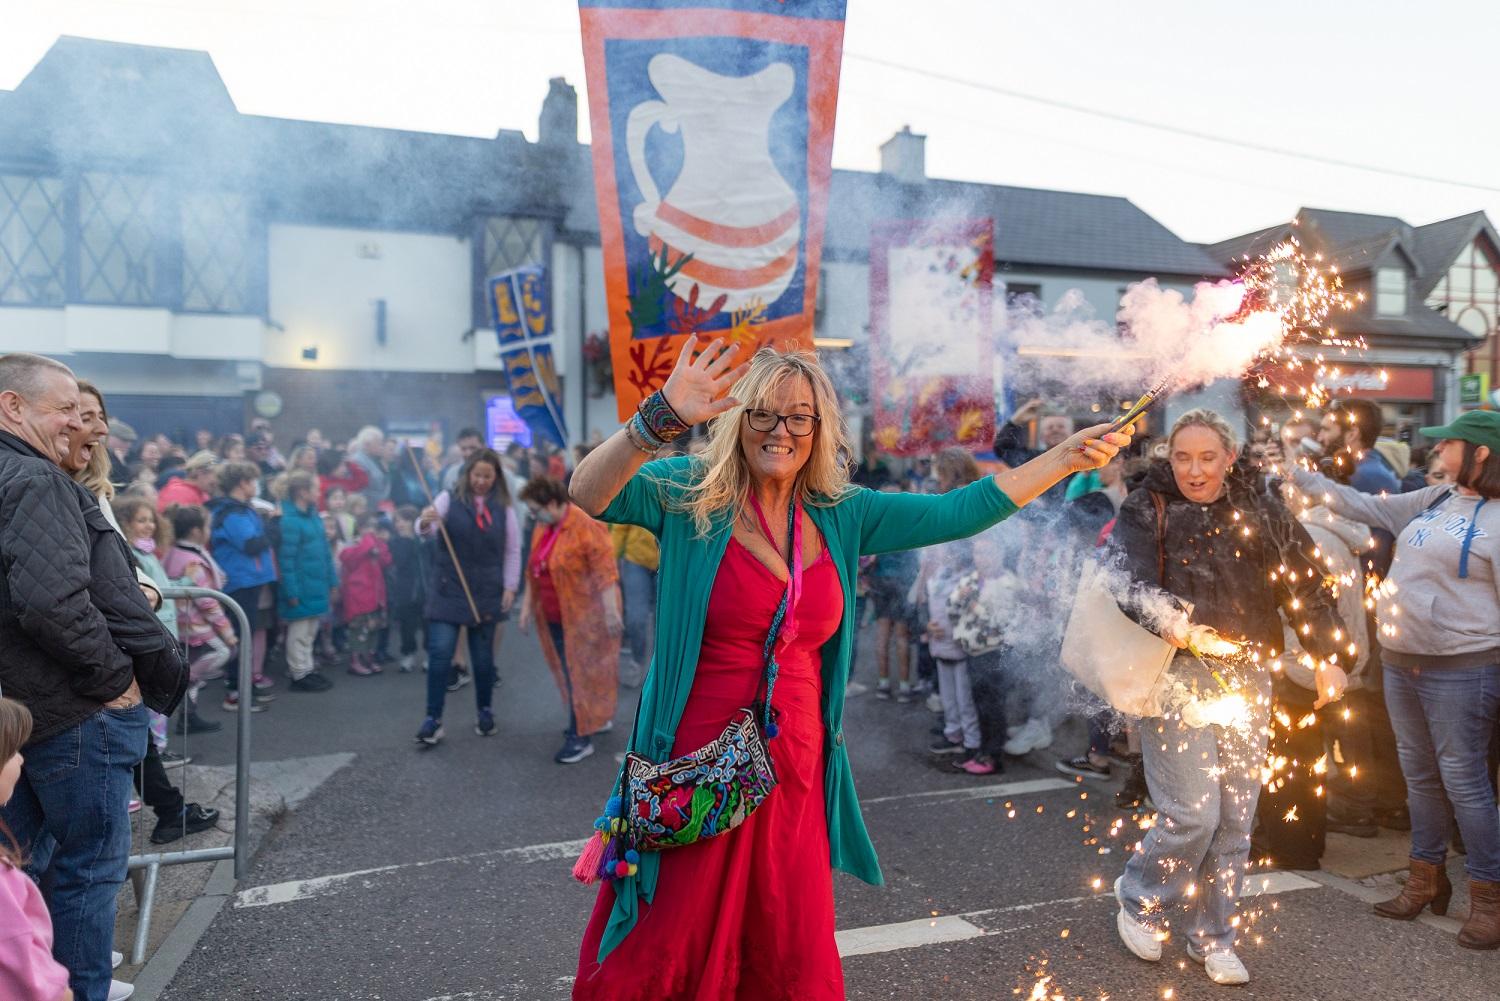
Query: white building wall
324,283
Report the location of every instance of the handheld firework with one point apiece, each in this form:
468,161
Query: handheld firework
1139,408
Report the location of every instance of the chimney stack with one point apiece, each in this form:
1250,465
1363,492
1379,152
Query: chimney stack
559,121
904,156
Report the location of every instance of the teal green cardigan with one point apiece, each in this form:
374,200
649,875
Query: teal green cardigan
862,522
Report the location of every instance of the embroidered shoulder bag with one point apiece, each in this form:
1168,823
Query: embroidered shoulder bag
708,791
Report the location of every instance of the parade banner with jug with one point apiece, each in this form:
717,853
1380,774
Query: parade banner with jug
932,356
712,127
522,313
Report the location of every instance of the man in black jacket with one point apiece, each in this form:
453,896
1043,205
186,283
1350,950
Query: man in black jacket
75,635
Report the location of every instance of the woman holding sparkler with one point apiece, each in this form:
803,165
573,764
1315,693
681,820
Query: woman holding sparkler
1442,662
760,543
1211,558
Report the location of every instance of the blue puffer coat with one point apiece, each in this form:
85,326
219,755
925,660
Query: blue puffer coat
240,544
306,564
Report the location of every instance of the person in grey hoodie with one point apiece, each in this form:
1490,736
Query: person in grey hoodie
1439,616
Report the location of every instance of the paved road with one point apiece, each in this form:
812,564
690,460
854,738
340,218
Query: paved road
459,859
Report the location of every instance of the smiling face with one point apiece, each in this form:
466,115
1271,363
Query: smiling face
142,524
1200,462
777,455
49,418
481,479
91,434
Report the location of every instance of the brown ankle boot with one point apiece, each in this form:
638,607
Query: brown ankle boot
1482,930
1425,884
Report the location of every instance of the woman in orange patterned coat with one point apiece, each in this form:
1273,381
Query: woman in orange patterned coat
573,593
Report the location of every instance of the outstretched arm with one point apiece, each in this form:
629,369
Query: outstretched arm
697,390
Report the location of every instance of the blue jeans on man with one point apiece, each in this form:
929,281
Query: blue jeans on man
639,587
442,640
71,813
1443,718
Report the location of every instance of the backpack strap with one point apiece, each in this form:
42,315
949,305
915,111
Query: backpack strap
1160,503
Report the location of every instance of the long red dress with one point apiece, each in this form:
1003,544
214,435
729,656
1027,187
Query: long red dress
746,916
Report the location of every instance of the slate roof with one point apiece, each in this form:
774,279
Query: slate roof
1358,244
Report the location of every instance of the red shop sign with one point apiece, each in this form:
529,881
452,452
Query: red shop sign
1399,383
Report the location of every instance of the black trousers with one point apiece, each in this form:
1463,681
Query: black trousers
154,788
1293,839
987,682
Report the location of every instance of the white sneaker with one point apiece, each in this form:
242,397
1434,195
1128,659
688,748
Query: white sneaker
115,959
1041,734
934,703
1221,965
119,990
1140,940
854,688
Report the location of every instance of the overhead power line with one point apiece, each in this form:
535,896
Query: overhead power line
1178,130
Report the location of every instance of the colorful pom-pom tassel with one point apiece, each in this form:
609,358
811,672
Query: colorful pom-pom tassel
772,730
612,808
633,870
632,856
622,869
601,823
586,869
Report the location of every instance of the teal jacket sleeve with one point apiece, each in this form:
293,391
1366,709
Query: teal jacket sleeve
892,522
643,499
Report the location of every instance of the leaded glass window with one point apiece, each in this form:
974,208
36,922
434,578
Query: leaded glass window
32,241
512,242
119,239
216,253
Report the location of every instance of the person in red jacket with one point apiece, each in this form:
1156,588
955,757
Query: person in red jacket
195,487
334,470
362,566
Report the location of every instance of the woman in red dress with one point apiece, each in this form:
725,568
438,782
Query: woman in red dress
766,511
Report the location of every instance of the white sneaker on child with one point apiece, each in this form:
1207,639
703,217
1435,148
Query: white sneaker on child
119,990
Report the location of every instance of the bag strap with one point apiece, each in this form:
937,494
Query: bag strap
1160,503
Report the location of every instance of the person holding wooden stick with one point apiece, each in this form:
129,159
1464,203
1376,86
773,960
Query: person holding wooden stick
472,583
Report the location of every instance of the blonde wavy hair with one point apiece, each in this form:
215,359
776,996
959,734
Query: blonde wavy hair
725,481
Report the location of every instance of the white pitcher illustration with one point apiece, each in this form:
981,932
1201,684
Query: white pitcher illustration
729,207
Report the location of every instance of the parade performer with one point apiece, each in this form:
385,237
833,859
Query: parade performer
760,541
471,583
1441,662
573,593
1202,533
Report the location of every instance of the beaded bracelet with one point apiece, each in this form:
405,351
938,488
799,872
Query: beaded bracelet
659,419
642,442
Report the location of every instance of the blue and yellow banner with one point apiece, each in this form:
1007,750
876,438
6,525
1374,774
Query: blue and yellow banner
712,127
522,313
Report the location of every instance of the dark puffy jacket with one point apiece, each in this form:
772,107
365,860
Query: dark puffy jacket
1224,573
74,625
481,553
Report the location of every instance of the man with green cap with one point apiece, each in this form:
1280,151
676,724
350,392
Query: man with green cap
1439,622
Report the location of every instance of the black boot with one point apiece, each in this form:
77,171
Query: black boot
191,722
1134,793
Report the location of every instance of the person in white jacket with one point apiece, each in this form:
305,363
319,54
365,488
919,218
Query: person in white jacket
1439,618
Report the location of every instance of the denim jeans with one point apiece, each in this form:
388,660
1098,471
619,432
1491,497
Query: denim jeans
1443,718
1195,854
442,639
555,630
70,812
639,586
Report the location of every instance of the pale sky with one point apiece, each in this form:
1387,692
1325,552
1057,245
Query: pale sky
1379,82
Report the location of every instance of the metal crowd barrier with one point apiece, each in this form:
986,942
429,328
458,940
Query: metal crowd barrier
144,869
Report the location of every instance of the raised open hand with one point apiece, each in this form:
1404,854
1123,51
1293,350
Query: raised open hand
697,388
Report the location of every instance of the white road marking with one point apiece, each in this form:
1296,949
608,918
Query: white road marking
978,924
905,935
979,792
319,886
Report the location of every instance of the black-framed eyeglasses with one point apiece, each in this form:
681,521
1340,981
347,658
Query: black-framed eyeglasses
797,425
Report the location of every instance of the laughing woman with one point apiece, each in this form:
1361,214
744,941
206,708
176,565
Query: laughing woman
760,541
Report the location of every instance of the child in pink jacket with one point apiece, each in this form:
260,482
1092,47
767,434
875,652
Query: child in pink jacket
362,566
27,970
